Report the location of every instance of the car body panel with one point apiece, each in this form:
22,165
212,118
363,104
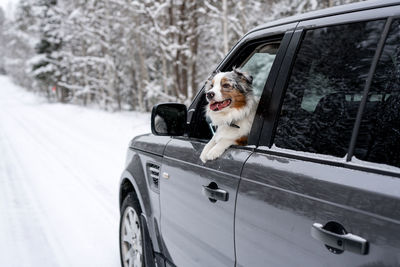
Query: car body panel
150,143
143,150
196,231
351,9
364,15
290,195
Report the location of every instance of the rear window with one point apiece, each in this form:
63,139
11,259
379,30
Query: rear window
325,88
379,135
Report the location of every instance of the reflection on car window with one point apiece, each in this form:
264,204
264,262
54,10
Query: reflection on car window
325,88
259,64
379,135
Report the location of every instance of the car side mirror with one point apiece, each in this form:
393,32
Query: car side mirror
168,119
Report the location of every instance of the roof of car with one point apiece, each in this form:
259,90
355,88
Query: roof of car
330,12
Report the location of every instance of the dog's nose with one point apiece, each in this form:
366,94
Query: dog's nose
210,95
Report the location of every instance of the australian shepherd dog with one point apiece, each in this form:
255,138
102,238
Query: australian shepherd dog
231,108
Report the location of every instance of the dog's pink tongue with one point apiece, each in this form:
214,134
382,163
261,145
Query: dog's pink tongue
219,105
214,106
223,104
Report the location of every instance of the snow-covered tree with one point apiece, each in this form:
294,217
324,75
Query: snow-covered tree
46,64
2,41
283,8
130,54
21,35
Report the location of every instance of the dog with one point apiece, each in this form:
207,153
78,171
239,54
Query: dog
231,108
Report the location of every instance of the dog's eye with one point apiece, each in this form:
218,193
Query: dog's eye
226,85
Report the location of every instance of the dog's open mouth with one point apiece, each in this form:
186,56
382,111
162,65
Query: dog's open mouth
216,106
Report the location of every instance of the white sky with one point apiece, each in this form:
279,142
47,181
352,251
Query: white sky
7,4
3,3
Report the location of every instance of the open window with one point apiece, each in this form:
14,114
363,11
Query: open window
259,63
256,59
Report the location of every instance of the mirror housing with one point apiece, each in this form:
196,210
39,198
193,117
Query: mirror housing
168,119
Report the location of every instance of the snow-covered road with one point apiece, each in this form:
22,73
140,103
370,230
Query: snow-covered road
59,174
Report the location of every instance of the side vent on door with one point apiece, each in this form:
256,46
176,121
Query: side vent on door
153,174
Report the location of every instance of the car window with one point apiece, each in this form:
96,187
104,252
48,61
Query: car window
379,134
259,64
256,60
325,88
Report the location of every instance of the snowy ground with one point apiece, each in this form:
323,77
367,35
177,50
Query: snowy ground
59,174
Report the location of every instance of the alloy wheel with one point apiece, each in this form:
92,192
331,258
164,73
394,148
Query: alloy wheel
131,239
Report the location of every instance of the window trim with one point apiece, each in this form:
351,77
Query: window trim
267,92
270,112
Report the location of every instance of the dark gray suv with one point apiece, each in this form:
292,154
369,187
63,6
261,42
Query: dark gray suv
318,184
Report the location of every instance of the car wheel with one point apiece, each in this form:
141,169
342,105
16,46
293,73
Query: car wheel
130,233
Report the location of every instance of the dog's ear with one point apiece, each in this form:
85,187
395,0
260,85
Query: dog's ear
208,82
243,75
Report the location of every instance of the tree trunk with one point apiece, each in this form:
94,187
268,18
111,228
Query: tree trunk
225,25
176,75
194,44
144,76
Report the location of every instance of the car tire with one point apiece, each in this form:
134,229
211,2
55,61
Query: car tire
131,233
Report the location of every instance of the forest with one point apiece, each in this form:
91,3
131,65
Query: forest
128,54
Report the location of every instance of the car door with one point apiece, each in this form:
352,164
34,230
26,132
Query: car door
198,200
308,196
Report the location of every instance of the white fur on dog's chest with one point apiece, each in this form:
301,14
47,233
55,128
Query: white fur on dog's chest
231,132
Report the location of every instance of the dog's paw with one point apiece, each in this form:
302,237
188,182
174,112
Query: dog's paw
203,157
214,154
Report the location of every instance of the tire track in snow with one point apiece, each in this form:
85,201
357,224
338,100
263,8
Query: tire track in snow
49,124
56,175
23,220
43,151
88,147
51,148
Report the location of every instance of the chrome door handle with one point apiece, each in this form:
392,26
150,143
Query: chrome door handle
348,241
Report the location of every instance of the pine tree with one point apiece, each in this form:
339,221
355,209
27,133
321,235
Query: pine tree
2,41
20,35
46,65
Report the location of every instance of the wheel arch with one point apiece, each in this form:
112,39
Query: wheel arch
129,185
133,179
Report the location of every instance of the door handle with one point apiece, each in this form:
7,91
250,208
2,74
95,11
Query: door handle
347,241
215,194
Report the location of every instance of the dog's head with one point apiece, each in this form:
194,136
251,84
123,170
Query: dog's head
228,92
